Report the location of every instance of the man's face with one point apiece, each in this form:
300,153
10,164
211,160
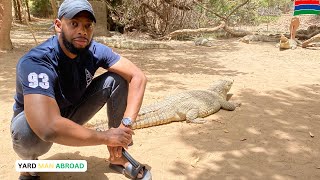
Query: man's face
76,33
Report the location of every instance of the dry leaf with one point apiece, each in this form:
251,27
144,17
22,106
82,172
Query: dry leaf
243,139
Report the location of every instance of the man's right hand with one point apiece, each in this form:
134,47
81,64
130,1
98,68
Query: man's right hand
119,137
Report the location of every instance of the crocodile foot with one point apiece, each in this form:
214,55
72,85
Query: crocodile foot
197,121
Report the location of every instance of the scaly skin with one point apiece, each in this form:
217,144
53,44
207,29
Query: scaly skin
202,42
191,106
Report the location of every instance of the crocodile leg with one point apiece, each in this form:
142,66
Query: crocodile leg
192,117
226,105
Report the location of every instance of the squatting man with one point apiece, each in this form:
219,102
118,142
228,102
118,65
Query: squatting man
56,93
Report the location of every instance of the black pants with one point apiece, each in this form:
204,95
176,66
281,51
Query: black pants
107,88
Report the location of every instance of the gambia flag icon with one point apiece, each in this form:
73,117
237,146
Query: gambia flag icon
306,7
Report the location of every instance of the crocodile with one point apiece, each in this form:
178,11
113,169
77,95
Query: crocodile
202,42
260,37
190,106
131,43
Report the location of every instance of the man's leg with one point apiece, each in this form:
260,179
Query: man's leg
26,143
295,22
107,88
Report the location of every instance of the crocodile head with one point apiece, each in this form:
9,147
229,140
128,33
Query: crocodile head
222,87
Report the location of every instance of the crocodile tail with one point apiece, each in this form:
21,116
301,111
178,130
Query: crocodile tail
154,119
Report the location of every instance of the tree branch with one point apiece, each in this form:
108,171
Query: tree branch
178,6
153,10
209,10
235,9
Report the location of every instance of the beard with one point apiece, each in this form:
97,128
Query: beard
70,47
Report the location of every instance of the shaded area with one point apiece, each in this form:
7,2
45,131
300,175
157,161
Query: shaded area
277,137
96,167
8,76
184,60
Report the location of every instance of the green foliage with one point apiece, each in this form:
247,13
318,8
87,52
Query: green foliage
41,8
273,3
254,12
265,19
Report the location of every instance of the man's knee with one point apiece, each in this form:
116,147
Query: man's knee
25,142
114,80
118,98
295,22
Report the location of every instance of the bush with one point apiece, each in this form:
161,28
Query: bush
41,8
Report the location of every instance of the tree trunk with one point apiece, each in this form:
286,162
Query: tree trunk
19,10
16,14
28,11
54,8
27,22
5,24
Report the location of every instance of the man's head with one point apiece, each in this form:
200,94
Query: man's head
70,8
75,26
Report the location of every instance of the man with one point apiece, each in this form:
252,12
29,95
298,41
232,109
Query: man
56,94
294,25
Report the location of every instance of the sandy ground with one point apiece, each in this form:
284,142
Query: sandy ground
268,137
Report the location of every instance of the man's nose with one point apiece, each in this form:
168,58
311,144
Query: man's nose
82,30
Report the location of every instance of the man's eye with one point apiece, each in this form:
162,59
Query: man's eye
88,26
74,24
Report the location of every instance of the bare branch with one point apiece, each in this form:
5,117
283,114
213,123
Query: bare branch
235,9
209,10
178,6
153,10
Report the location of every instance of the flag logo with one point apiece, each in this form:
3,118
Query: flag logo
306,7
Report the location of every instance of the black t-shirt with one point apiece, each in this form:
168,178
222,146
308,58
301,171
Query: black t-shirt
46,70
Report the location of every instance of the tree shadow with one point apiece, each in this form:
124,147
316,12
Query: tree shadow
97,168
186,60
267,138
8,75
183,60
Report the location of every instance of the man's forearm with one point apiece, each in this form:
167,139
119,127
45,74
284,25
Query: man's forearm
137,87
66,132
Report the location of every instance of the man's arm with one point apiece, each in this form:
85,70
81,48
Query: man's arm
43,116
137,84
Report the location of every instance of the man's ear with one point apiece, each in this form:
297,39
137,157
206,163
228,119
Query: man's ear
57,25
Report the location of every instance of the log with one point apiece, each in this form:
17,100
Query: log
311,40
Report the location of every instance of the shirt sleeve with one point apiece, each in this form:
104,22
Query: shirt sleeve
104,55
36,77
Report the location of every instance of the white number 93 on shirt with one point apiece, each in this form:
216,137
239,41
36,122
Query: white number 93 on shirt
36,80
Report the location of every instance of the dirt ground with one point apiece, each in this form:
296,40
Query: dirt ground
273,135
